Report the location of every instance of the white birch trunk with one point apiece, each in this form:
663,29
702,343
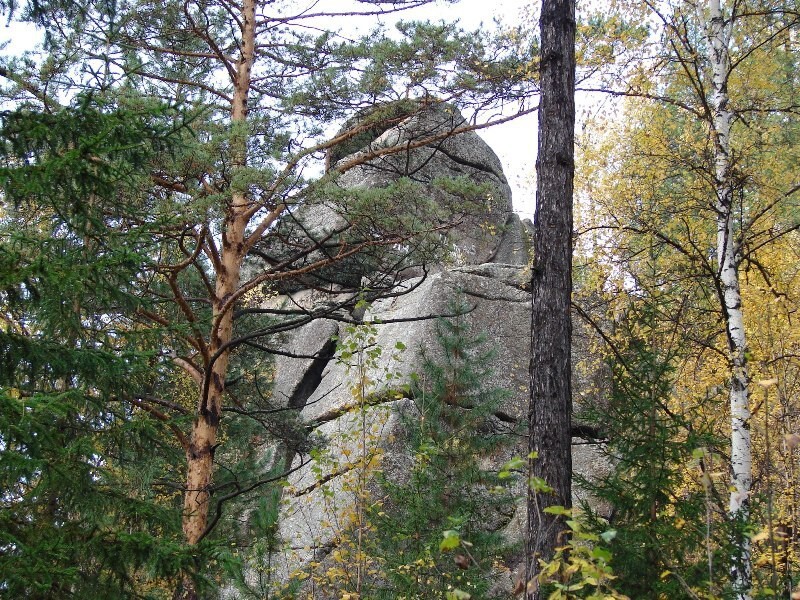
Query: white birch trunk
728,257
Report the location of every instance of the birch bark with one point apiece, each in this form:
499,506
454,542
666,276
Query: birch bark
728,261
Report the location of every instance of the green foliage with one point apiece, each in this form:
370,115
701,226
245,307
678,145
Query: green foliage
116,241
446,489
80,153
258,546
581,568
80,515
659,513
74,520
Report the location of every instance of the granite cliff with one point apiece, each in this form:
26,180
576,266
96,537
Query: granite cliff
352,411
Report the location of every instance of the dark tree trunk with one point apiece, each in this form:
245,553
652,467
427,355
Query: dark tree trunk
550,408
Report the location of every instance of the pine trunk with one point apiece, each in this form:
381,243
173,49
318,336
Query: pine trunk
728,258
549,414
203,440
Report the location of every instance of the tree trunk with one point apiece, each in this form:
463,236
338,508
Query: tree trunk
200,453
728,259
550,407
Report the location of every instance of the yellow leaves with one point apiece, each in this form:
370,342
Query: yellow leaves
762,561
450,540
792,440
760,536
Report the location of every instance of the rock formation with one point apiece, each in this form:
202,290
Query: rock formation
487,270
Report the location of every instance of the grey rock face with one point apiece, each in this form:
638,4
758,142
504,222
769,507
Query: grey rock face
320,495
320,492
319,504
497,308
488,284
463,153
297,376
515,246
475,219
475,238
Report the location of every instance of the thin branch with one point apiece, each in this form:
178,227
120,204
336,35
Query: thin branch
218,510
184,441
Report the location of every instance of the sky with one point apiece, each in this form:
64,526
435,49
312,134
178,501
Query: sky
514,142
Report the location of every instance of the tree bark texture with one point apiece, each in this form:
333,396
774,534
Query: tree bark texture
728,261
550,407
227,267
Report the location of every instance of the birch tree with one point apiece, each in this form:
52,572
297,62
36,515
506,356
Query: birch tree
732,220
705,176
729,258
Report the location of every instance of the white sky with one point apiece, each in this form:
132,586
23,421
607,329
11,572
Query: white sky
514,142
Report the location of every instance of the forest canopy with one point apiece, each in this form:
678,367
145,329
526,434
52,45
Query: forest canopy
171,172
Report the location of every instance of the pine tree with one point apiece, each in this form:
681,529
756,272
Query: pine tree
263,81
550,407
447,492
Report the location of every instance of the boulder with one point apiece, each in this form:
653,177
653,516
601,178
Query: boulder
475,236
358,430
420,195
496,307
